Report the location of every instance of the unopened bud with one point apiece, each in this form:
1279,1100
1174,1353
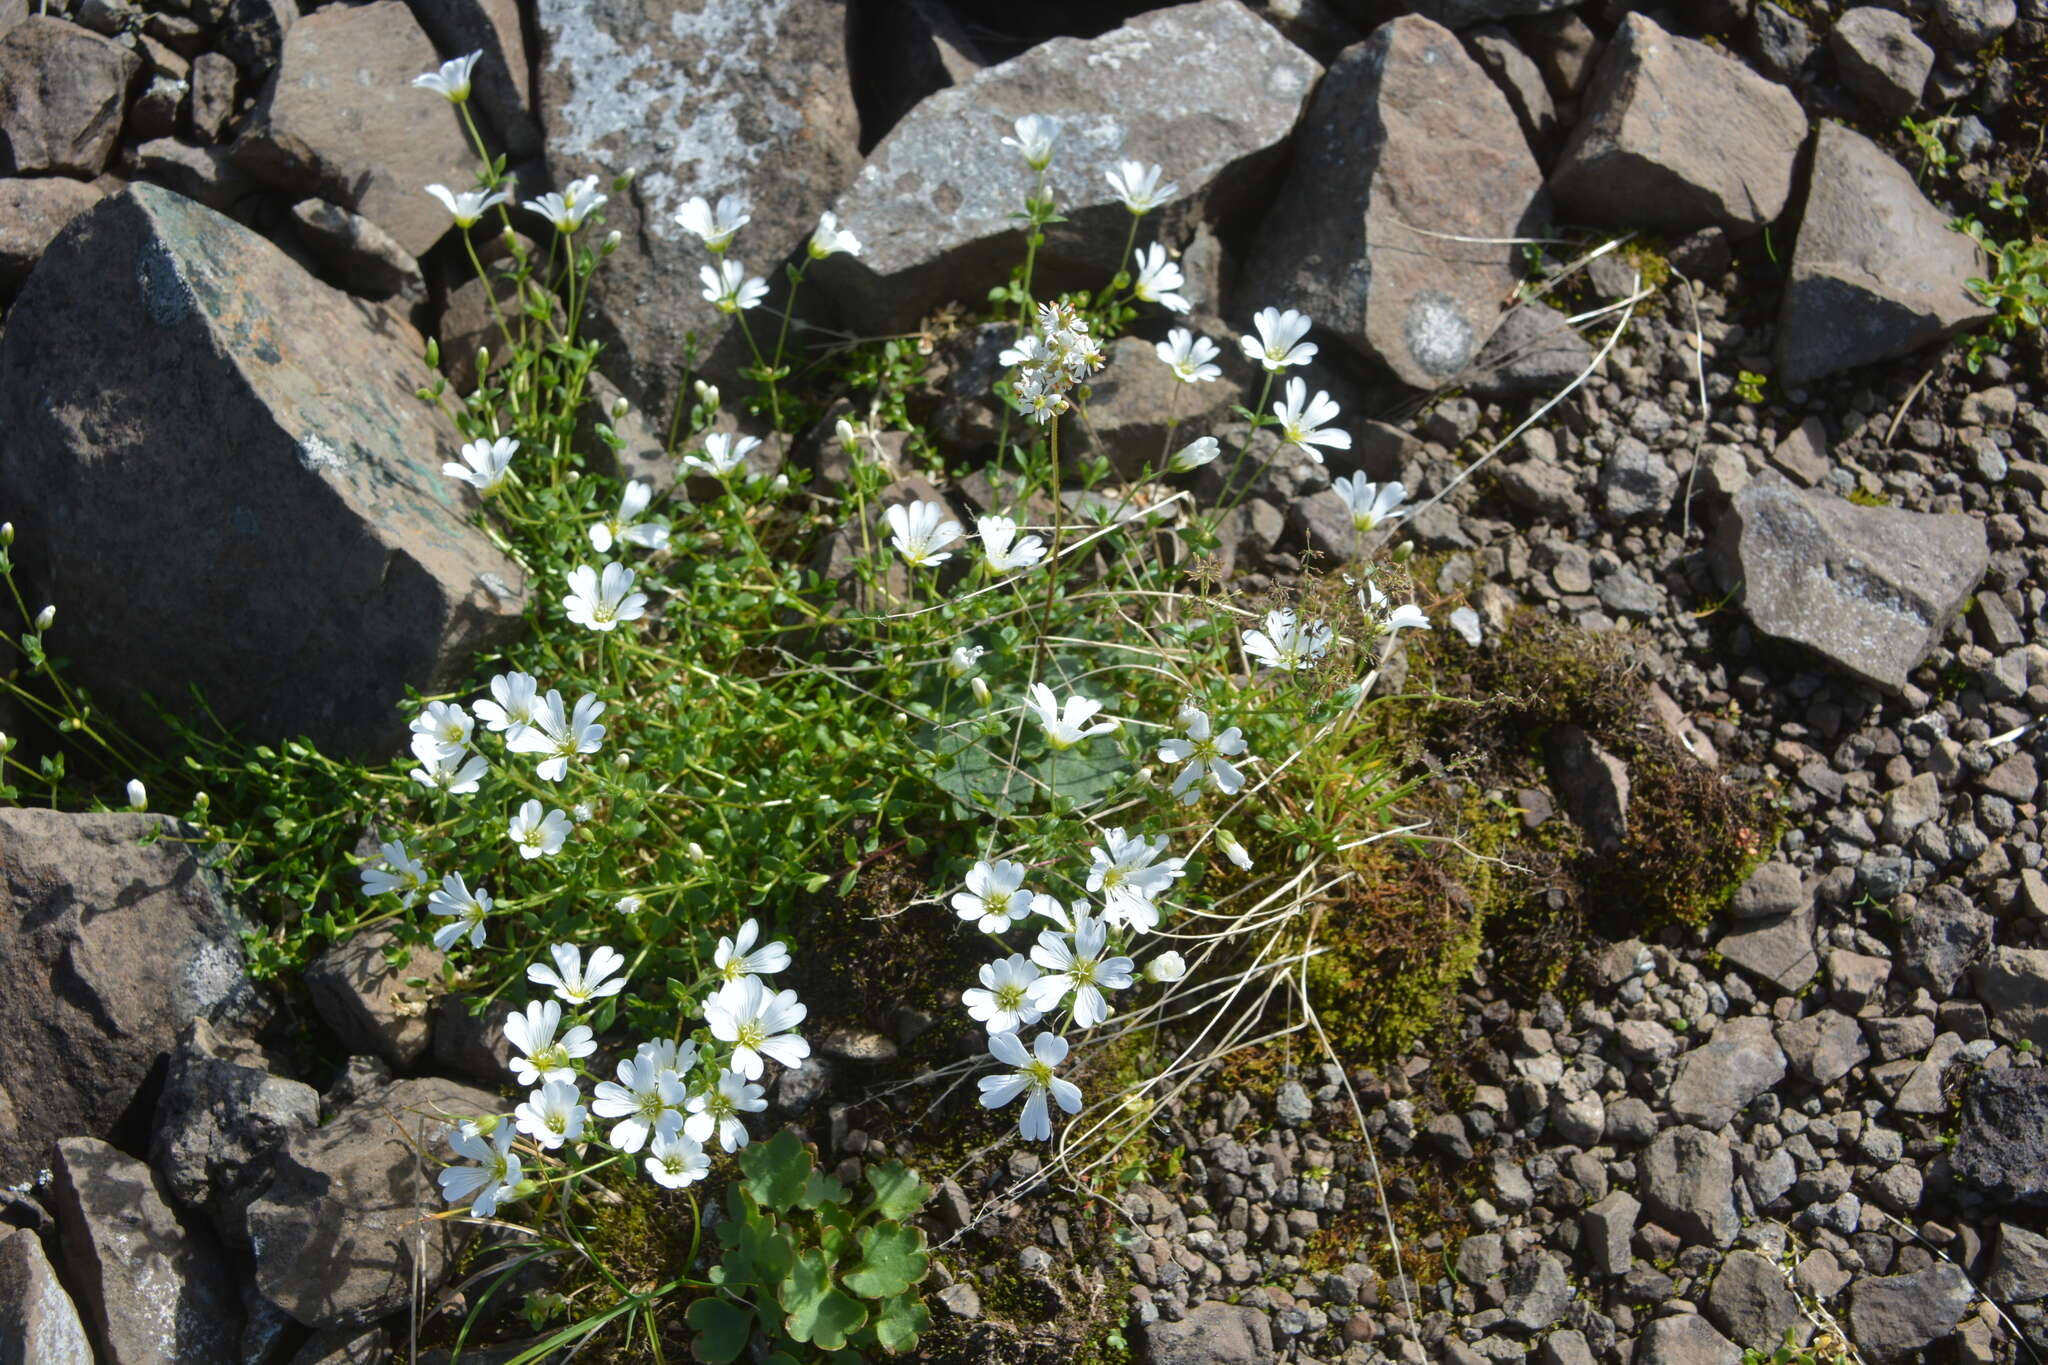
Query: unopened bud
1194,455
483,360
1404,552
6,533
978,685
6,742
1233,850
138,795
620,407
696,852
707,394
1168,966
484,1125
526,1189
203,801
46,617
842,430
612,240
623,759
781,484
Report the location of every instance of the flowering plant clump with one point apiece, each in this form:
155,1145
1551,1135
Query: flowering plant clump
782,655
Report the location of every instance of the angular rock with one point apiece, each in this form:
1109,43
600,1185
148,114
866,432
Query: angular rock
62,92
362,255
1868,588
1857,979
213,95
1881,59
1406,138
1822,1048
254,452
472,1045
1606,1230
1533,351
1688,1180
91,1017
1211,1334
1877,272
1973,24
1773,889
337,1231
1780,42
1714,1081
702,97
32,213
1892,1317
1206,90
1635,482
1778,950
2003,1146
1751,1302
154,1290
1593,785
1537,1293
254,35
208,175
2019,1266
369,1003
1910,805
1676,136
501,88
222,1113
1519,79
2012,983
38,1324
1942,936
1686,1339
343,121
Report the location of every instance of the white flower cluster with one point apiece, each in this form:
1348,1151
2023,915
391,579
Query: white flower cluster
1053,359
671,1099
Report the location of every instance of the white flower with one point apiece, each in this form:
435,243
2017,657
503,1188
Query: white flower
644,1094
625,525
718,1107
1123,869
715,226
1206,755
1369,503
1035,134
830,239
921,532
452,80
1027,349
543,1058
757,1022
568,209
723,454
674,1160
730,288
668,1055
1159,279
1288,643
994,899
1407,616
1196,453
1280,341
560,735
484,464
737,956
1077,963
494,1178
1190,357
396,873
443,769
1302,421
575,984
138,795
964,660
1004,1002
629,905
553,1114
1034,1074
1168,966
465,910
1138,186
601,602
1233,850
467,206
510,707
1004,556
537,837
1067,726
447,724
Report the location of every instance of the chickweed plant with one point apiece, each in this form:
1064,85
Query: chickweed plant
1137,789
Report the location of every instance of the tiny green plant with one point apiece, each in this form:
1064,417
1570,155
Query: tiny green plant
1927,135
1749,386
2015,287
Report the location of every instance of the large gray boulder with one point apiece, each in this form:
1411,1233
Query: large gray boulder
38,1323
700,97
1881,58
1206,90
33,210
155,1289
107,944
1714,1081
1688,1179
1408,143
1211,1334
343,121
1876,272
62,95
1677,136
339,1235
1892,1317
251,456
1868,588
2003,1146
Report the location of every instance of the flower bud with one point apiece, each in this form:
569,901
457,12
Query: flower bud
707,394
6,534
203,801
1404,552
612,240
964,660
978,685
6,742
1233,850
526,1189
780,485
620,407
581,812
484,1125
1168,966
623,759
630,905
1203,450
696,852
46,617
138,795
842,431
483,360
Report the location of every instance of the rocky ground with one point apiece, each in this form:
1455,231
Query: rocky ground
1819,1112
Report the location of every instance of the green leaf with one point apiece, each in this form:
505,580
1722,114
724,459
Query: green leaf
817,1310
722,1330
892,1259
898,1191
821,1189
777,1171
898,1324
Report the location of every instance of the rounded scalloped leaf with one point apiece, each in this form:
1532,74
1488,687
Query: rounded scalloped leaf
898,1324
818,1311
898,1191
722,1330
892,1260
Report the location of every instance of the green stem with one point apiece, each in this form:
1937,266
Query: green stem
1232,495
